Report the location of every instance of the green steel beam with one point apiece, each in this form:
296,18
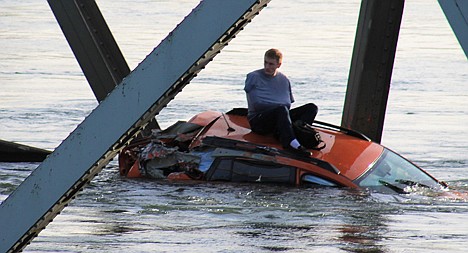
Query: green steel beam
120,117
456,12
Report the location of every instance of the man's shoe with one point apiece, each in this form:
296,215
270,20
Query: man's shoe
301,150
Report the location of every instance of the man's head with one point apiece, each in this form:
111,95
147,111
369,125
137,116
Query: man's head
272,61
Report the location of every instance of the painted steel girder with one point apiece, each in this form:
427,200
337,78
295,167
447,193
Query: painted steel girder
371,67
117,119
456,12
92,43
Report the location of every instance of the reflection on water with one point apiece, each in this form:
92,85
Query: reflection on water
44,96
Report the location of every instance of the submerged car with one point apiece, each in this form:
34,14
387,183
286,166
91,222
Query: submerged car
216,146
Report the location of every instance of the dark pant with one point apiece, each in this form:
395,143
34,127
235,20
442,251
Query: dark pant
279,120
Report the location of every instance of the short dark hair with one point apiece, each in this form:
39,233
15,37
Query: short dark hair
274,53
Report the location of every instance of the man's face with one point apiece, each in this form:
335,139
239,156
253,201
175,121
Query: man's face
270,66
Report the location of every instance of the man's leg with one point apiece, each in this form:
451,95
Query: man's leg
262,122
277,121
306,113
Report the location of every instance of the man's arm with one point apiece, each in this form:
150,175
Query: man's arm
290,93
249,82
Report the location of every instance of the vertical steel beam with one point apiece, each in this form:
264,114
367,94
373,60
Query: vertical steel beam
92,43
456,12
371,66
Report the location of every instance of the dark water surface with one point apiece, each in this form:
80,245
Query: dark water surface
44,96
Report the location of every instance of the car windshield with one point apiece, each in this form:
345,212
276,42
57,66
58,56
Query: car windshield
396,173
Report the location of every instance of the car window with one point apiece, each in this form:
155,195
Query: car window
393,171
315,180
248,170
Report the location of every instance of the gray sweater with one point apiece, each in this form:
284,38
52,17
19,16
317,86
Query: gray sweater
266,92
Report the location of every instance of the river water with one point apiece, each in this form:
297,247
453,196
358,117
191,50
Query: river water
44,96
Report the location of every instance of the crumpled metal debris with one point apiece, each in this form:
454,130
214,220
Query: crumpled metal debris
158,160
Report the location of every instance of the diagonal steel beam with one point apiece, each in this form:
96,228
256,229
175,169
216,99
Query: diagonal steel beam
92,43
115,122
456,12
98,56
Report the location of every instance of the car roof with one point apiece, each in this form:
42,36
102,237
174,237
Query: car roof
351,154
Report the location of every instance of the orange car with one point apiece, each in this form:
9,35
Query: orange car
217,146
